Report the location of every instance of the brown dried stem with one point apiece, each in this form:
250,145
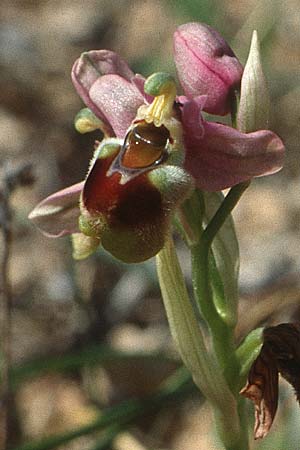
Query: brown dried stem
11,176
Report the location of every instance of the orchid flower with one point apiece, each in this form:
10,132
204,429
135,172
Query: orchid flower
157,146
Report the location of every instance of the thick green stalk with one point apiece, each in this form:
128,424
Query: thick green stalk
190,343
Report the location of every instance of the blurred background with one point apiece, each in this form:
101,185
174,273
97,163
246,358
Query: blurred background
91,334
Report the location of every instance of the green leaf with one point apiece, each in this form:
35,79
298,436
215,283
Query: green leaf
94,355
177,386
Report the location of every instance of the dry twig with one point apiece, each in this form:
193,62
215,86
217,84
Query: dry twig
11,176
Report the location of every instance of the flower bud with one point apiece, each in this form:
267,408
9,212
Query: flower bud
105,83
206,65
253,113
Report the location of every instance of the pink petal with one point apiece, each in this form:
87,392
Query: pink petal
224,157
118,99
191,115
57,215
206,65
92,65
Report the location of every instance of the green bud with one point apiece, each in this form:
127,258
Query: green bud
253,112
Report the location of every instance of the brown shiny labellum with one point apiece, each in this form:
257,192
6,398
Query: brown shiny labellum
132,205
144,145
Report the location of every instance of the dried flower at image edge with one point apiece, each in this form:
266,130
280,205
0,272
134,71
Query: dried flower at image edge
280,354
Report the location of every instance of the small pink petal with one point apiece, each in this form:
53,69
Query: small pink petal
191,114
92,65
57,215
118,99
206,65
224,157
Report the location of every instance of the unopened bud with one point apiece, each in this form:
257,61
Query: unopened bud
253,112
206,65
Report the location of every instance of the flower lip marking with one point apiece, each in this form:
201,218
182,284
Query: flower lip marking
145,146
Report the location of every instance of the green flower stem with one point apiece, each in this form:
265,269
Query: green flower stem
222,334
105,443
223,212
190,343
244,418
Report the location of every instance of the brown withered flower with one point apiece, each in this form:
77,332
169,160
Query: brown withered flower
280,354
